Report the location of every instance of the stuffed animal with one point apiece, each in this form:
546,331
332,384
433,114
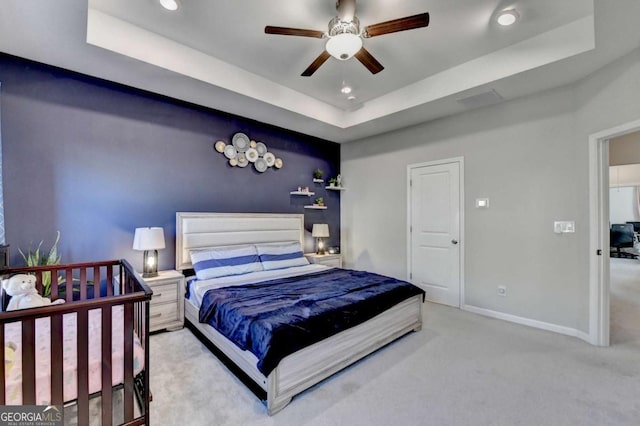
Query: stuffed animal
22,289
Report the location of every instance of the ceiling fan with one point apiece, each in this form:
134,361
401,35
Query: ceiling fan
345,36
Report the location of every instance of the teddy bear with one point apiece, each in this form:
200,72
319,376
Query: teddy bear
22,289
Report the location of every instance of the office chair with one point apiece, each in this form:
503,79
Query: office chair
636,226
636,230
621,235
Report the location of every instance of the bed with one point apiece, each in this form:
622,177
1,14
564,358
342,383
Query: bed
297,371
57,353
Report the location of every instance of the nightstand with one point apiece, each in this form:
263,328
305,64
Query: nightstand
167,303
334,260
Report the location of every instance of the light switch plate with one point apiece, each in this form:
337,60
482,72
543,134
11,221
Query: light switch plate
564,227
482,203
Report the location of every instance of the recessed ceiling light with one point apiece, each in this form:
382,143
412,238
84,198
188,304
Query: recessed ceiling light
351,97
508,17
346,90
170,4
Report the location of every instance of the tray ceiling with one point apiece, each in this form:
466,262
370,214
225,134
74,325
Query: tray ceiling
216,54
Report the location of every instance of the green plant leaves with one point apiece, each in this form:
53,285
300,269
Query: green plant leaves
33,258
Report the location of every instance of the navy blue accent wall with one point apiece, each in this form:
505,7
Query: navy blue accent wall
95,160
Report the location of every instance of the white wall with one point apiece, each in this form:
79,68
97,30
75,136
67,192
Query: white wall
623,204
530,157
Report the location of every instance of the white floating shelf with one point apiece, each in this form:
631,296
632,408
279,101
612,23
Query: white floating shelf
309,194
336,188
316,207
318,180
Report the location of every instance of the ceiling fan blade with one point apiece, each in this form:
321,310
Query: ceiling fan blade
316,64
369,61
346,10
293,32
396,25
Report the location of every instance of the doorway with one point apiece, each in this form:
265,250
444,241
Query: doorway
435,225
624,217
599,259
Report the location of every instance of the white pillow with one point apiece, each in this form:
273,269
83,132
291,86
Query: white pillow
281,255
223,261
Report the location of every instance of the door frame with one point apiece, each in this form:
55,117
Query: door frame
599,286
461,239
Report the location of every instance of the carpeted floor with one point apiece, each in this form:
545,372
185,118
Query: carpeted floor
461,369
625,301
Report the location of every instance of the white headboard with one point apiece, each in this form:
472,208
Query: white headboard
200,230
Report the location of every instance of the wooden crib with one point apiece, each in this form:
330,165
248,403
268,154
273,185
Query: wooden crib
95,293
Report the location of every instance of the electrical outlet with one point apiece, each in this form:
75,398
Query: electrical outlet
502,291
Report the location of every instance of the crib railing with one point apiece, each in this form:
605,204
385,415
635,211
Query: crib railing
86,287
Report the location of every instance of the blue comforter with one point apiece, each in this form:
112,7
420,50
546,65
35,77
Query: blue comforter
275,318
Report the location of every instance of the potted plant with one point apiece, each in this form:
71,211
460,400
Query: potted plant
333,182
317,174
34,258
320,201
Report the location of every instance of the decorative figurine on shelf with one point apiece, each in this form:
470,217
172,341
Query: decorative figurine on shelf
339,180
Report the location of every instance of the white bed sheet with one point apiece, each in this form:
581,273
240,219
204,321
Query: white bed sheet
197,288
13,370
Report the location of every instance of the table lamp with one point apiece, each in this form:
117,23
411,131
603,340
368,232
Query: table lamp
149,240
320,231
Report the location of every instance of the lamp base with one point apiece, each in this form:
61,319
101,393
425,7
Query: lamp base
320,247
150,264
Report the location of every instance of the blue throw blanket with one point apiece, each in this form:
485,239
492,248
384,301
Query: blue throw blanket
275,318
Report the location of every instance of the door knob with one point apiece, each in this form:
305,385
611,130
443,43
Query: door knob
454,242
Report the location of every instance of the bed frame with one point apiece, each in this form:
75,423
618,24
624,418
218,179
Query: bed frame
310,365
129,291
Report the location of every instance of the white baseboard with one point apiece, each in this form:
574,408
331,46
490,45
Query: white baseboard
529,322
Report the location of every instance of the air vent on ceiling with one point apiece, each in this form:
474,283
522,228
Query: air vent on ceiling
481,99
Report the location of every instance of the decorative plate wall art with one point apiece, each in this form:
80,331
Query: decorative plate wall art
269,158
243,151
252,155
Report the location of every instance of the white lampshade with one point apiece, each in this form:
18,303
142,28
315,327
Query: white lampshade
148,239
344,46
320,230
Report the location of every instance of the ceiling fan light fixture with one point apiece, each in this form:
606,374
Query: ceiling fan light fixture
508,17
344,46
170,4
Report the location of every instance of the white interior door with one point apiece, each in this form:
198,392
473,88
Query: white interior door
434,231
